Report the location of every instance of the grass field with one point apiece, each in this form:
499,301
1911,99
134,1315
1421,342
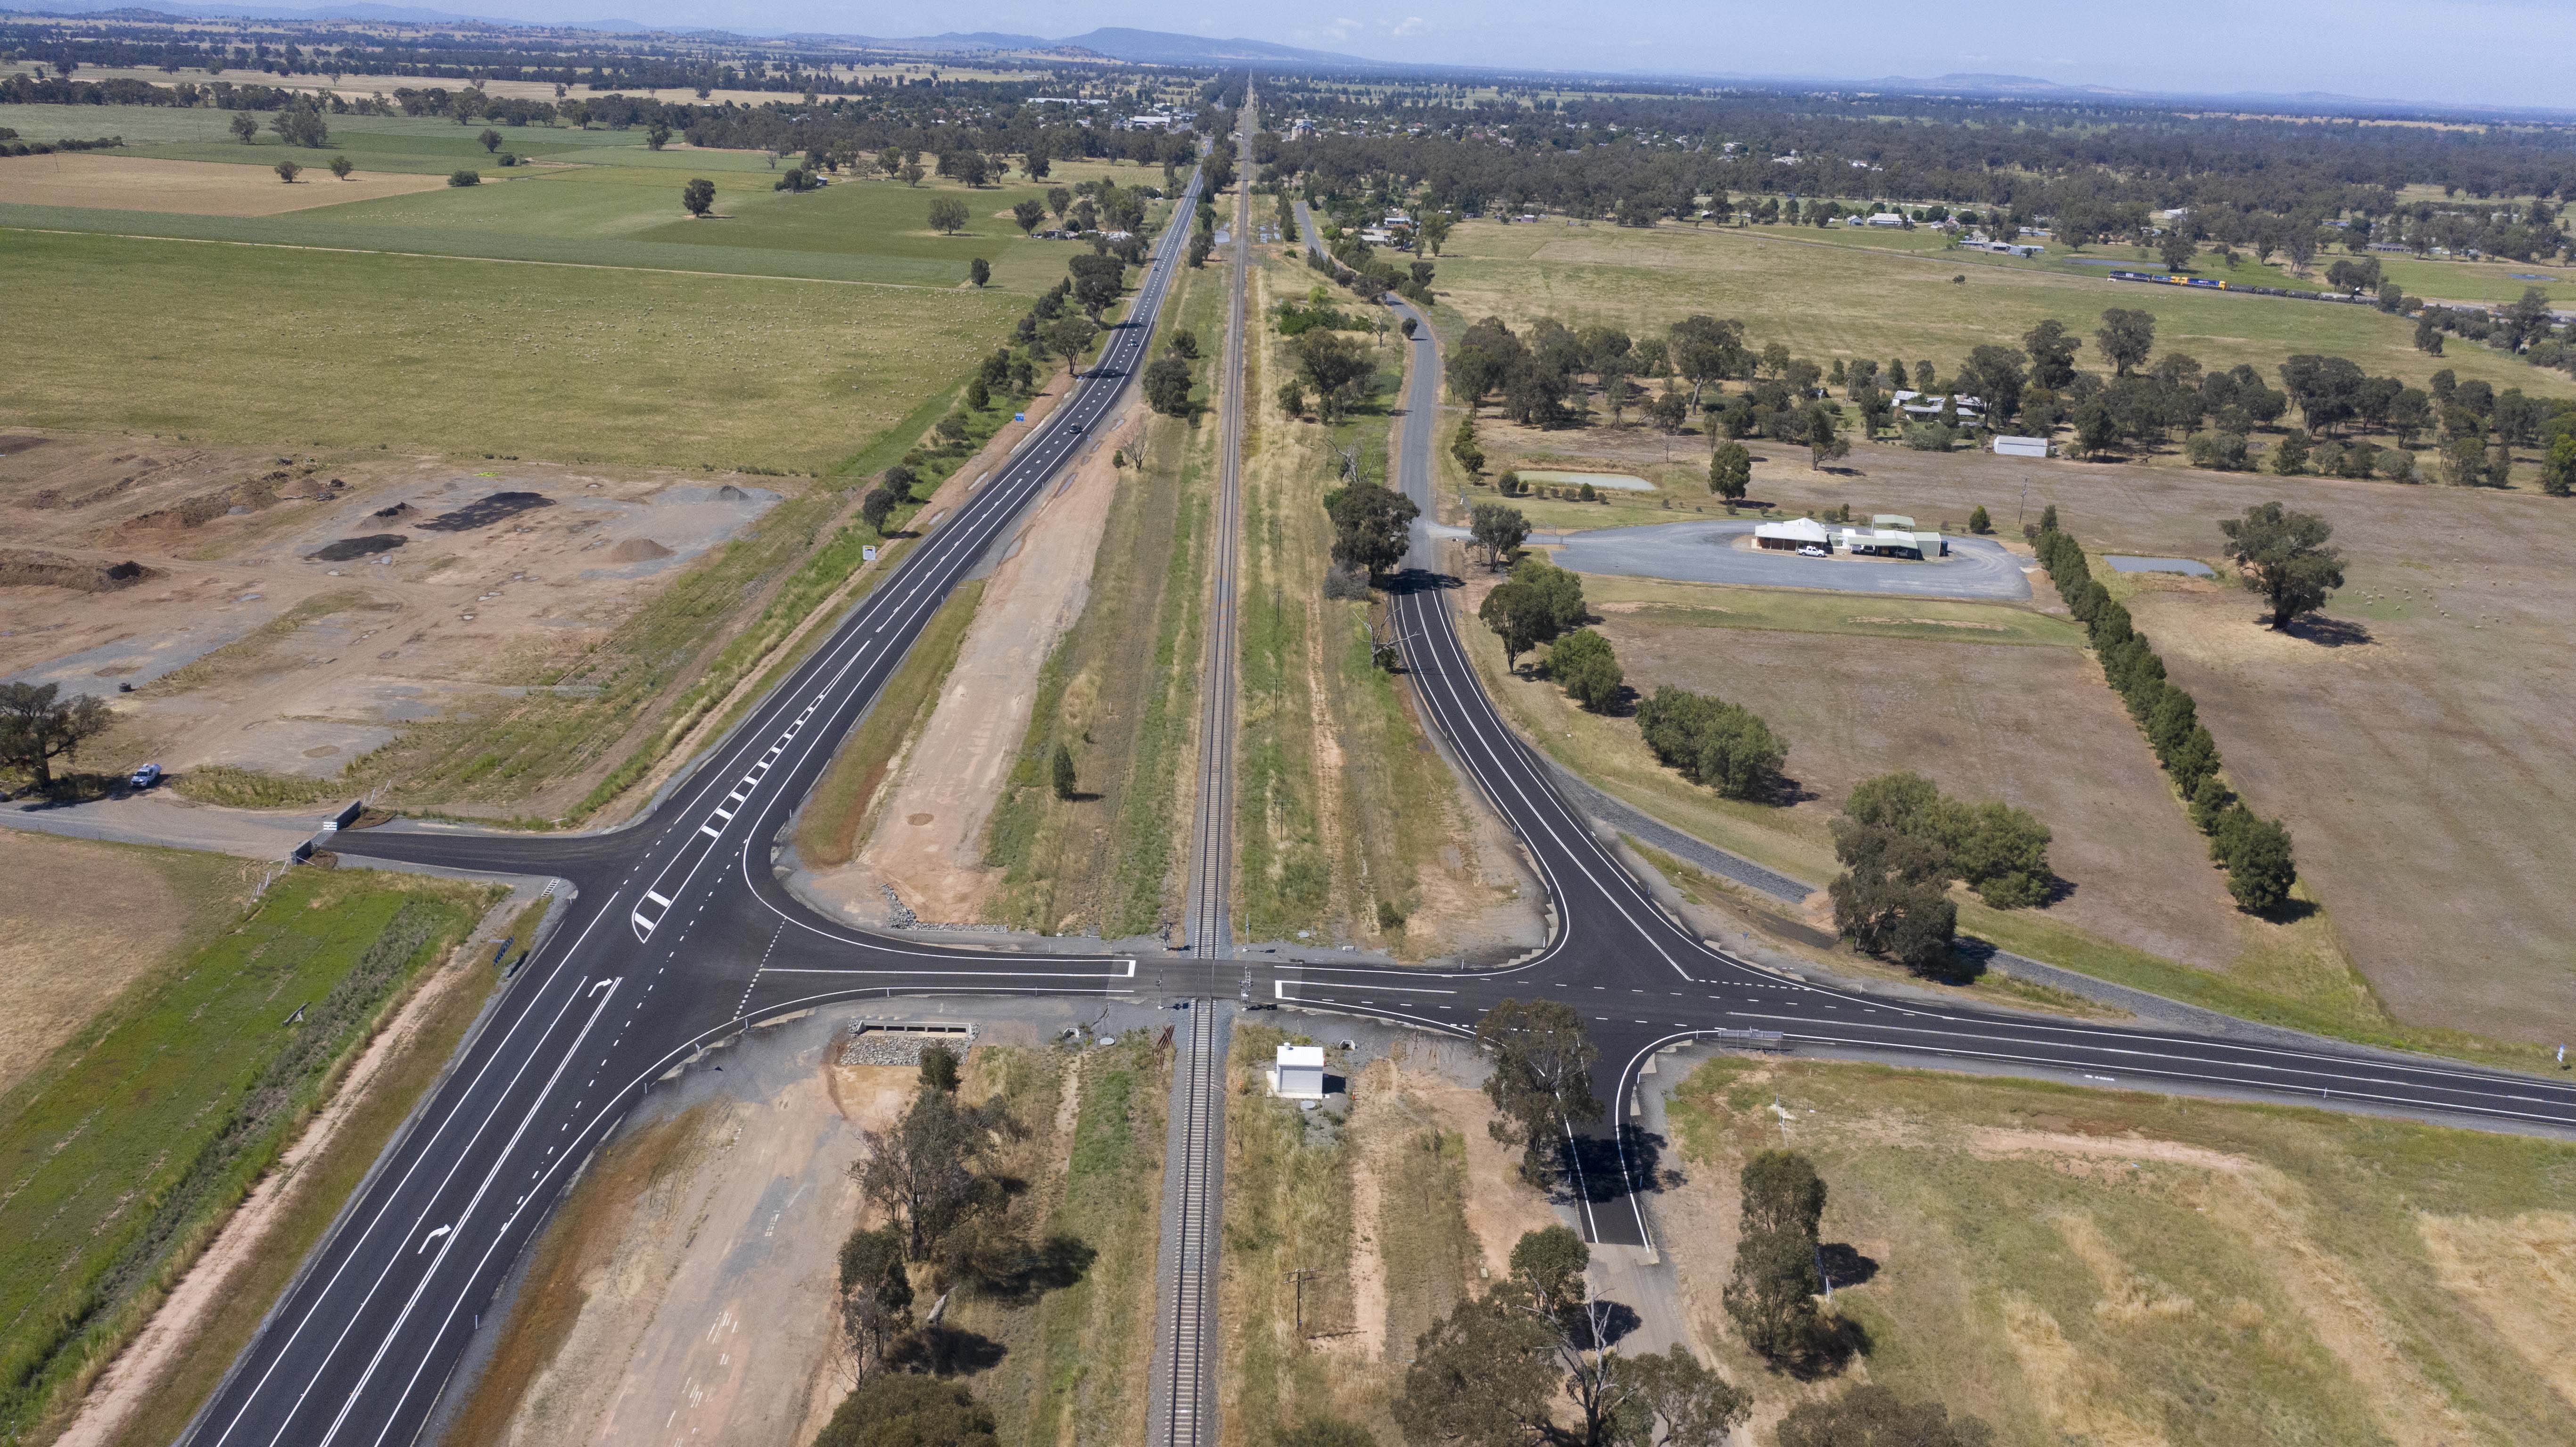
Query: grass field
2035,726
322,1183
1828,300
149,1125
1073,1368
82,920
476,358
1287,1207
2091,1266
1121,690
2406,743
599,197
1341,806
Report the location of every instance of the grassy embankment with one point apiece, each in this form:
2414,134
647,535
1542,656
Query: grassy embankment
2076,1264
128,1149
1287,1210
1121,689
1345,818
1074,1358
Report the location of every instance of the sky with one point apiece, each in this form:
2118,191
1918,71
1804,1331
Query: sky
2491,52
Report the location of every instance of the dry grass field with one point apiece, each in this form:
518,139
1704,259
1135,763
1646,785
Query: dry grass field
1828,300
80,921
2410,741
1982,716
141,183
2090,1266
2414,740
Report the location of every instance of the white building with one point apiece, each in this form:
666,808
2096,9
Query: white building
1884,218
1893,543
1792,535
1299,1073
2021,447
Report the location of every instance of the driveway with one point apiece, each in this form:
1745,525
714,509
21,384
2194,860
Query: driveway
1706,552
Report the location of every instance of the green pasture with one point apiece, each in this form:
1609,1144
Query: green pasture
138,1132
1827,301
273,346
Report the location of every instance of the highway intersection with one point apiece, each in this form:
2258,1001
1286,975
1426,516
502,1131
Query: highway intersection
681,935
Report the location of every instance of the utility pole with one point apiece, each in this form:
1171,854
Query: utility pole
1301,1276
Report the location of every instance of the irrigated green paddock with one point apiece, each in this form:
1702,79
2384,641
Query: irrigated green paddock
1829,300
573,363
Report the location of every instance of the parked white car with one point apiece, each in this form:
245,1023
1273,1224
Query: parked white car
1812,551
145,777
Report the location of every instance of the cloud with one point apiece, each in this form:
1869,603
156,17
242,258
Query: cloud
1342,28
1409,25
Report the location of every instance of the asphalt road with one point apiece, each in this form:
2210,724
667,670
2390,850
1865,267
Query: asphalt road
680,936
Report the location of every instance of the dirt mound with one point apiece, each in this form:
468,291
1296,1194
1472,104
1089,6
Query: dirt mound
205,507
637,550
484,513
731,493
347,548
25,567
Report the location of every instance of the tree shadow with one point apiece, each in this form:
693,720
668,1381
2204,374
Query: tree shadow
945,1351
2288,911
1963,963
1845,1265
2330,632
1611,1323
1061,1260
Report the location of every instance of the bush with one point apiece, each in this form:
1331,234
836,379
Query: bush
2218,451
1346,584
1582,661
1722,745
905,1409
464,178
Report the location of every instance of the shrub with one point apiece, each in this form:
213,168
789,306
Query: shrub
2260,866
1582,661
1722,745
464,178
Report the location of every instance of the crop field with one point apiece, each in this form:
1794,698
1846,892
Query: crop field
574,364
594,197
154,1120
2079,1265
1827,300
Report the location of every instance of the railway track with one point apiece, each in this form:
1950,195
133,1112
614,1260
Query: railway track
1185,1398
1183,1412
1209,905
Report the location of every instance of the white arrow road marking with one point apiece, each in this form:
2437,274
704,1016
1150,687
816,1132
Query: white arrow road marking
432,1236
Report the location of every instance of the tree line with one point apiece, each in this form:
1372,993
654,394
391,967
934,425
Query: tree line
1586,155
2286,558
